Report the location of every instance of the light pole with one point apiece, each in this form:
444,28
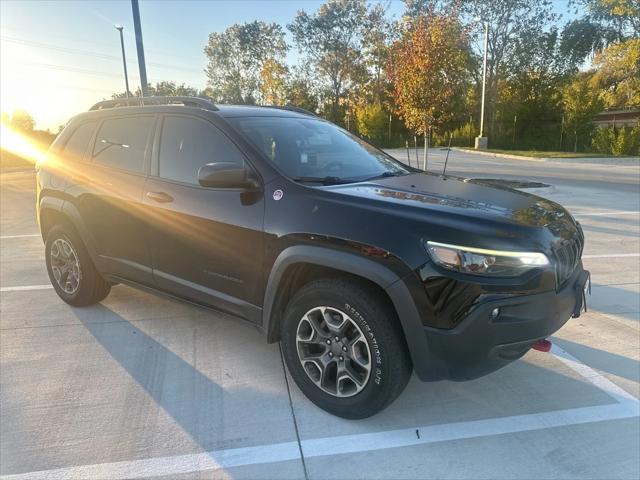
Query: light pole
124,59
482,141
140,47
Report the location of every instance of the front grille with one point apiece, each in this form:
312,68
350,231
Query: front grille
568,254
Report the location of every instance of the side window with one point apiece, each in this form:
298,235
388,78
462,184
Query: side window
189,143
77,144
121,142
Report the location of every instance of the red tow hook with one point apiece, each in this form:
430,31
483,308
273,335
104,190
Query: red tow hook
542,345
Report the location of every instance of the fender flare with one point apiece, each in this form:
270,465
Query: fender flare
71,213
390,282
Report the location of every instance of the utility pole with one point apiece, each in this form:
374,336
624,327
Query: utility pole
140,47
481,140
124,60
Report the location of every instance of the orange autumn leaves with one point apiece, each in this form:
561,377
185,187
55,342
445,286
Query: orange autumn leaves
427,69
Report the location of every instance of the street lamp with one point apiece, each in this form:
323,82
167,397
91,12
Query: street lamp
482,141
124,59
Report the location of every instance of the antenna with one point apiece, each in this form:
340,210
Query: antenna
444,170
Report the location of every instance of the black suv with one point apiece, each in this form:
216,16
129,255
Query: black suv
360,266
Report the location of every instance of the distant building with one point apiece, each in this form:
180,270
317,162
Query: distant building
618,118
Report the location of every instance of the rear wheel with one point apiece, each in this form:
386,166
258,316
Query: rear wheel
343,347
71,271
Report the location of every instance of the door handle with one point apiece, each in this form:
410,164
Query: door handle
160,197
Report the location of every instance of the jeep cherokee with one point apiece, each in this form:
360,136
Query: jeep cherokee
363,268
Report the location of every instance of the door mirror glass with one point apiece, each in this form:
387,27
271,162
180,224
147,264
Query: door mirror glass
224,175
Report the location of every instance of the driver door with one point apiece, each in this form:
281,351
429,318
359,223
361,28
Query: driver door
206,243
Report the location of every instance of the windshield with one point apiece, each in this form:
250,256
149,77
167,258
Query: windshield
312,150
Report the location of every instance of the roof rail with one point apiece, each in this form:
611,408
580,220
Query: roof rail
292,108
148,101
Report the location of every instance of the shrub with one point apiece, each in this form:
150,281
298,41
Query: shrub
617,140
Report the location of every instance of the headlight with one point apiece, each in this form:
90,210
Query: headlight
480,261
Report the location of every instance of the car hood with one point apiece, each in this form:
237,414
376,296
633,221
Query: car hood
459,196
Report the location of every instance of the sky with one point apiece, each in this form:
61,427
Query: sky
57,58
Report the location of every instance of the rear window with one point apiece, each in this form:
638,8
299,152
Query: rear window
77,144
121,142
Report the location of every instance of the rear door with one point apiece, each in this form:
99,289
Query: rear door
206,243
108,194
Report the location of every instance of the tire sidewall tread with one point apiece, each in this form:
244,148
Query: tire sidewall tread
92,287
391,367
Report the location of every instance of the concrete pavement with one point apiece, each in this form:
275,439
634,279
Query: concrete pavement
141,386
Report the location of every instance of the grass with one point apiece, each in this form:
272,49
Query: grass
548,154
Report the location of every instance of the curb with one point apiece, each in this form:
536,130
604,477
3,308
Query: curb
594,160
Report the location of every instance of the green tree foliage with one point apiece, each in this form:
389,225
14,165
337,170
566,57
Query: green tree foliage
617,74
582,37
165,89
512,24
580,104
617,141
331,41
621,16
373,121
237,57
300,90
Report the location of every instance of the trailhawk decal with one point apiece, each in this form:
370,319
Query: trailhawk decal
278,194
372,341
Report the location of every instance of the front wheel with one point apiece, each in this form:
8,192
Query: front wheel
344,348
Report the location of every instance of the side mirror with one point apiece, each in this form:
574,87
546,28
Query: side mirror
225,175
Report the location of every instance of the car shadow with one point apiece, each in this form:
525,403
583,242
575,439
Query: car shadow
609,231
613,300
612,363
197,403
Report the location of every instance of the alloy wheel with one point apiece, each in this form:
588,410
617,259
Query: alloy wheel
65,265
333,351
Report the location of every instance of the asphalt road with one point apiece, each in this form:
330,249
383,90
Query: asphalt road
141,386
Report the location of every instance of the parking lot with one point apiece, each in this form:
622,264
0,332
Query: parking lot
142,386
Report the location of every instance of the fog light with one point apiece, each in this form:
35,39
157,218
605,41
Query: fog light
495,312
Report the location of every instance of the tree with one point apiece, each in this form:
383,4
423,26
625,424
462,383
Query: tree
620,16
273,82
22,121
300,91
376,42
580,104
165,89
331,41
427,69
582,38
617,74
509,20
237,57
373,121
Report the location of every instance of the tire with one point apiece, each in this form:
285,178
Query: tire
67,248
362,315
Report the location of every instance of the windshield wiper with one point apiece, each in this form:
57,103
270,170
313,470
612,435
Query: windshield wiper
387,174
328,180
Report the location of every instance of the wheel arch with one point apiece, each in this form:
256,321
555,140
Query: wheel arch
54,211
294,260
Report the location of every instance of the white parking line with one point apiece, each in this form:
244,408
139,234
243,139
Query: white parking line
3,237
613,255
23,288
626,406
605,214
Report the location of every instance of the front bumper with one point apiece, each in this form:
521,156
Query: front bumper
481,344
